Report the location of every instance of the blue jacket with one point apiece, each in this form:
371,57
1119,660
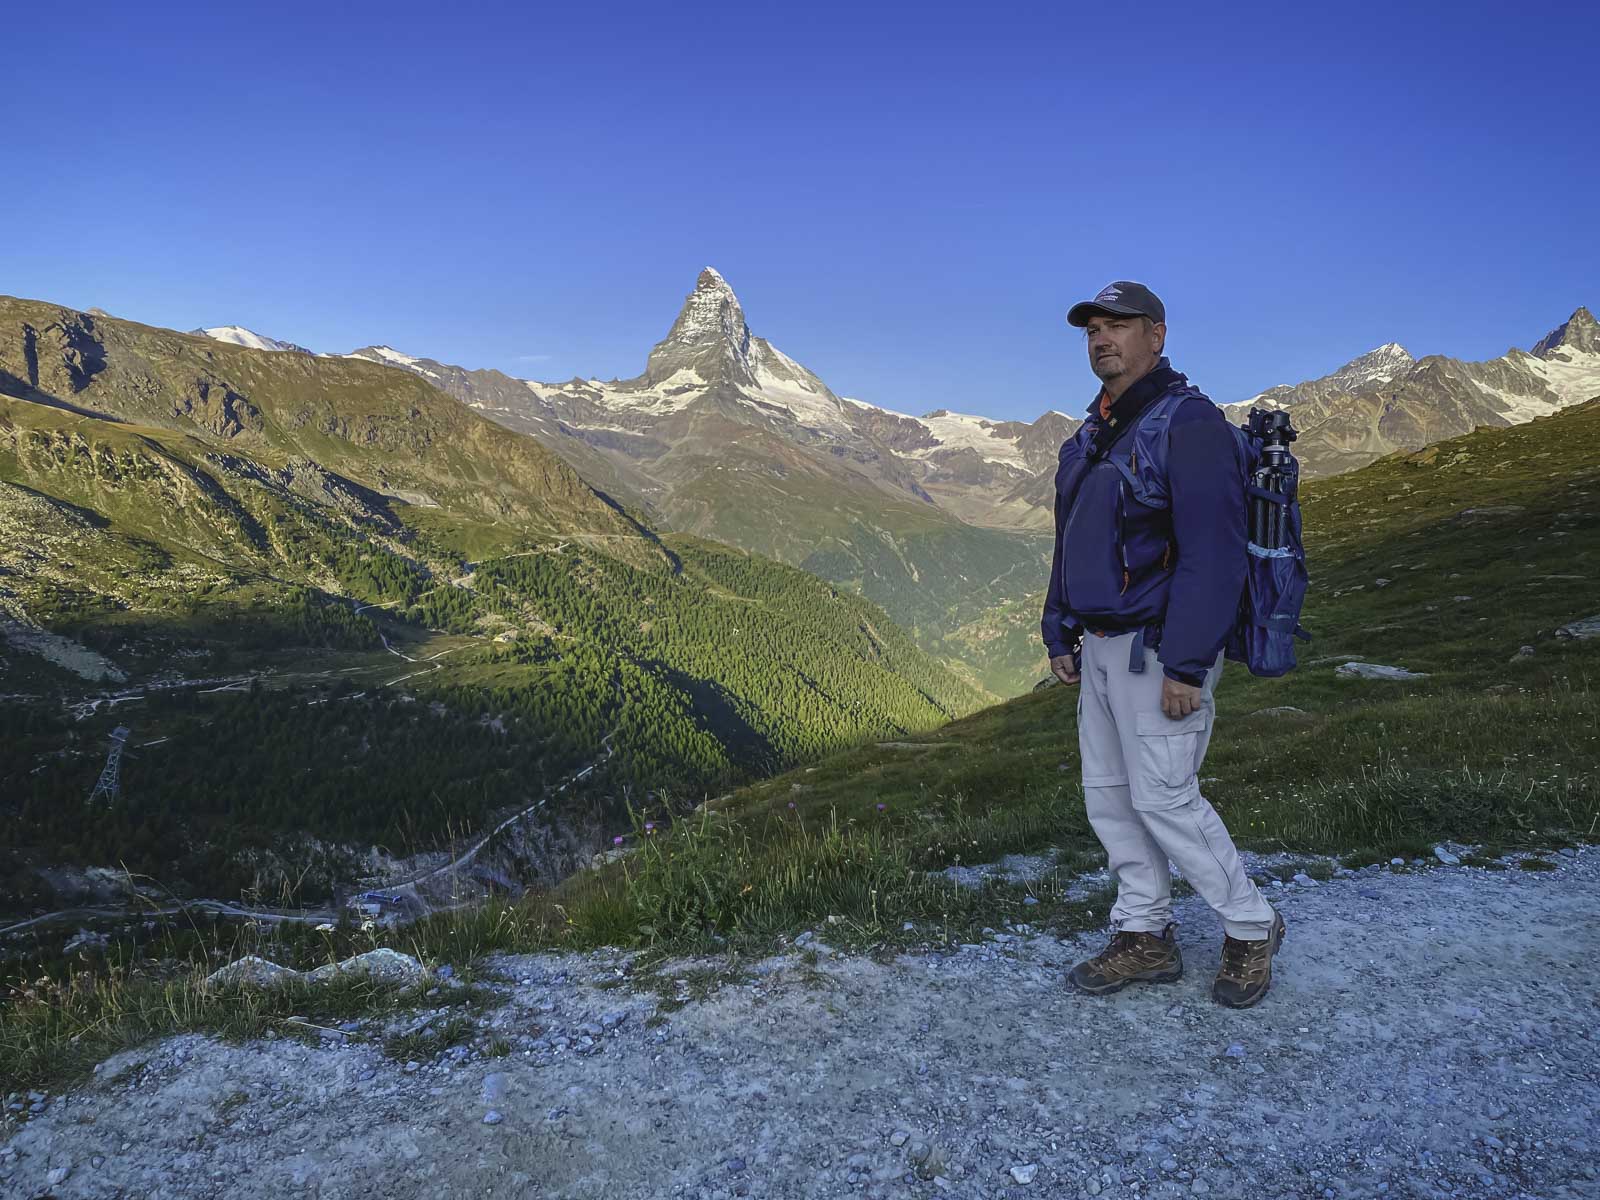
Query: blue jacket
1166,557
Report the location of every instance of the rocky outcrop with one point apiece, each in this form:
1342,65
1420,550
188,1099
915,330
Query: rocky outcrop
382,966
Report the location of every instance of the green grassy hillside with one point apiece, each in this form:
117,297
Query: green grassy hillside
388,429
929,571
1524,547
1489,543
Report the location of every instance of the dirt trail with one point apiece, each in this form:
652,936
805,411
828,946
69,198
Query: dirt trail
1430,1034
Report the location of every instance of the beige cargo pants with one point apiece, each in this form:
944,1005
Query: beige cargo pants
1141,784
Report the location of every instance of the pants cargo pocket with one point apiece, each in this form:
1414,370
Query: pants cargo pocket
1169,758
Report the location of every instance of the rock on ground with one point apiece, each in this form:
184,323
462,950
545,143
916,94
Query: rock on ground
1430,1033
1589,627
383,966
1363,670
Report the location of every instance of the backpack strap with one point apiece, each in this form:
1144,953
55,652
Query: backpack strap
1150,433
1148,638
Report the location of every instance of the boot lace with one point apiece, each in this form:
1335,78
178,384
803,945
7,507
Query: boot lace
1244,960
1123,946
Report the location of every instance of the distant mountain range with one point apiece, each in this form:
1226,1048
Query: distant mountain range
944,518
711,367
1386,401
727,437
625,435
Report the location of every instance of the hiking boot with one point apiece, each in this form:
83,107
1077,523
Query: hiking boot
1246,971
1130,958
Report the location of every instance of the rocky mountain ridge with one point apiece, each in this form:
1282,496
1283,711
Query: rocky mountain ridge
983,471
725,436
1386,401
711,363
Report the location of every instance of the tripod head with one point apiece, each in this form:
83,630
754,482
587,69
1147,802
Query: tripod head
1272,426
1274,429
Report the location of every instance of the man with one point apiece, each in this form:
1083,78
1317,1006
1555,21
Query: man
1149,564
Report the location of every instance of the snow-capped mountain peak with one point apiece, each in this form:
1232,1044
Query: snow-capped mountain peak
386,354
1375,366
710,335
238,335
1386,362
1566,360
390,357
1579,333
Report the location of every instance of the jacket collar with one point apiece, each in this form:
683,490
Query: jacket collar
1154,383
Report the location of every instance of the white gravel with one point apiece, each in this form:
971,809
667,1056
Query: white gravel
1431,1033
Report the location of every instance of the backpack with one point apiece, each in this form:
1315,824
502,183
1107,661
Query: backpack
1263,634
1268,618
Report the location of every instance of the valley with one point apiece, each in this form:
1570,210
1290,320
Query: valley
347,617
355,627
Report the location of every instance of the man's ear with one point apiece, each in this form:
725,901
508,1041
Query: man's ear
1159,328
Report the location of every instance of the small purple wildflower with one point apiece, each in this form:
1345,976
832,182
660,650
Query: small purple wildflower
617,841
881,807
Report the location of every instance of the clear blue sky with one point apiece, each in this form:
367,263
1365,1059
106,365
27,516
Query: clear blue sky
906,197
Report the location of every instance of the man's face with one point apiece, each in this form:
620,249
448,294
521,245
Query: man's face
1123,347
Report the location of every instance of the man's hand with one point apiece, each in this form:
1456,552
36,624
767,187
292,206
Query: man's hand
1178,699
1064,669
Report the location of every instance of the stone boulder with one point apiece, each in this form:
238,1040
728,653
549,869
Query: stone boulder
1362,670
382,966
251,971
1582,630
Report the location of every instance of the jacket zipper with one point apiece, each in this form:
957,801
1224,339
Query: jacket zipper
1122,531
1066,529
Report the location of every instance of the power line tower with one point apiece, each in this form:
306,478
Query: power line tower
110,786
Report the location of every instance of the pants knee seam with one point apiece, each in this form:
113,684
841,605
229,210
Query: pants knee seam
1105,781
1212,850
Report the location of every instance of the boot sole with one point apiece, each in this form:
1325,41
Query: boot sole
1166,976
1280,931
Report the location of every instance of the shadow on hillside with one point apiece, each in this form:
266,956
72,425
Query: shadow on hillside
746,745
21,389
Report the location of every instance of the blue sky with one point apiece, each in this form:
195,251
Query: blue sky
907,198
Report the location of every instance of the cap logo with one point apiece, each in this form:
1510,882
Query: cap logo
1112,293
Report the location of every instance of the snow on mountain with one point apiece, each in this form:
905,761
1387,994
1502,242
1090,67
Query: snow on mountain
961,431
782,381
709,351
1386,400
710,368
1568,358
392,357
876,408
1579,333
1562,369
1375,366
238,335
993,441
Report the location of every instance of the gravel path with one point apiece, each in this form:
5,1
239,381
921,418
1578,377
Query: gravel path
1430,1033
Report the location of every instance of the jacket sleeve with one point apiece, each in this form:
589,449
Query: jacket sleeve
1209,527
1057,628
